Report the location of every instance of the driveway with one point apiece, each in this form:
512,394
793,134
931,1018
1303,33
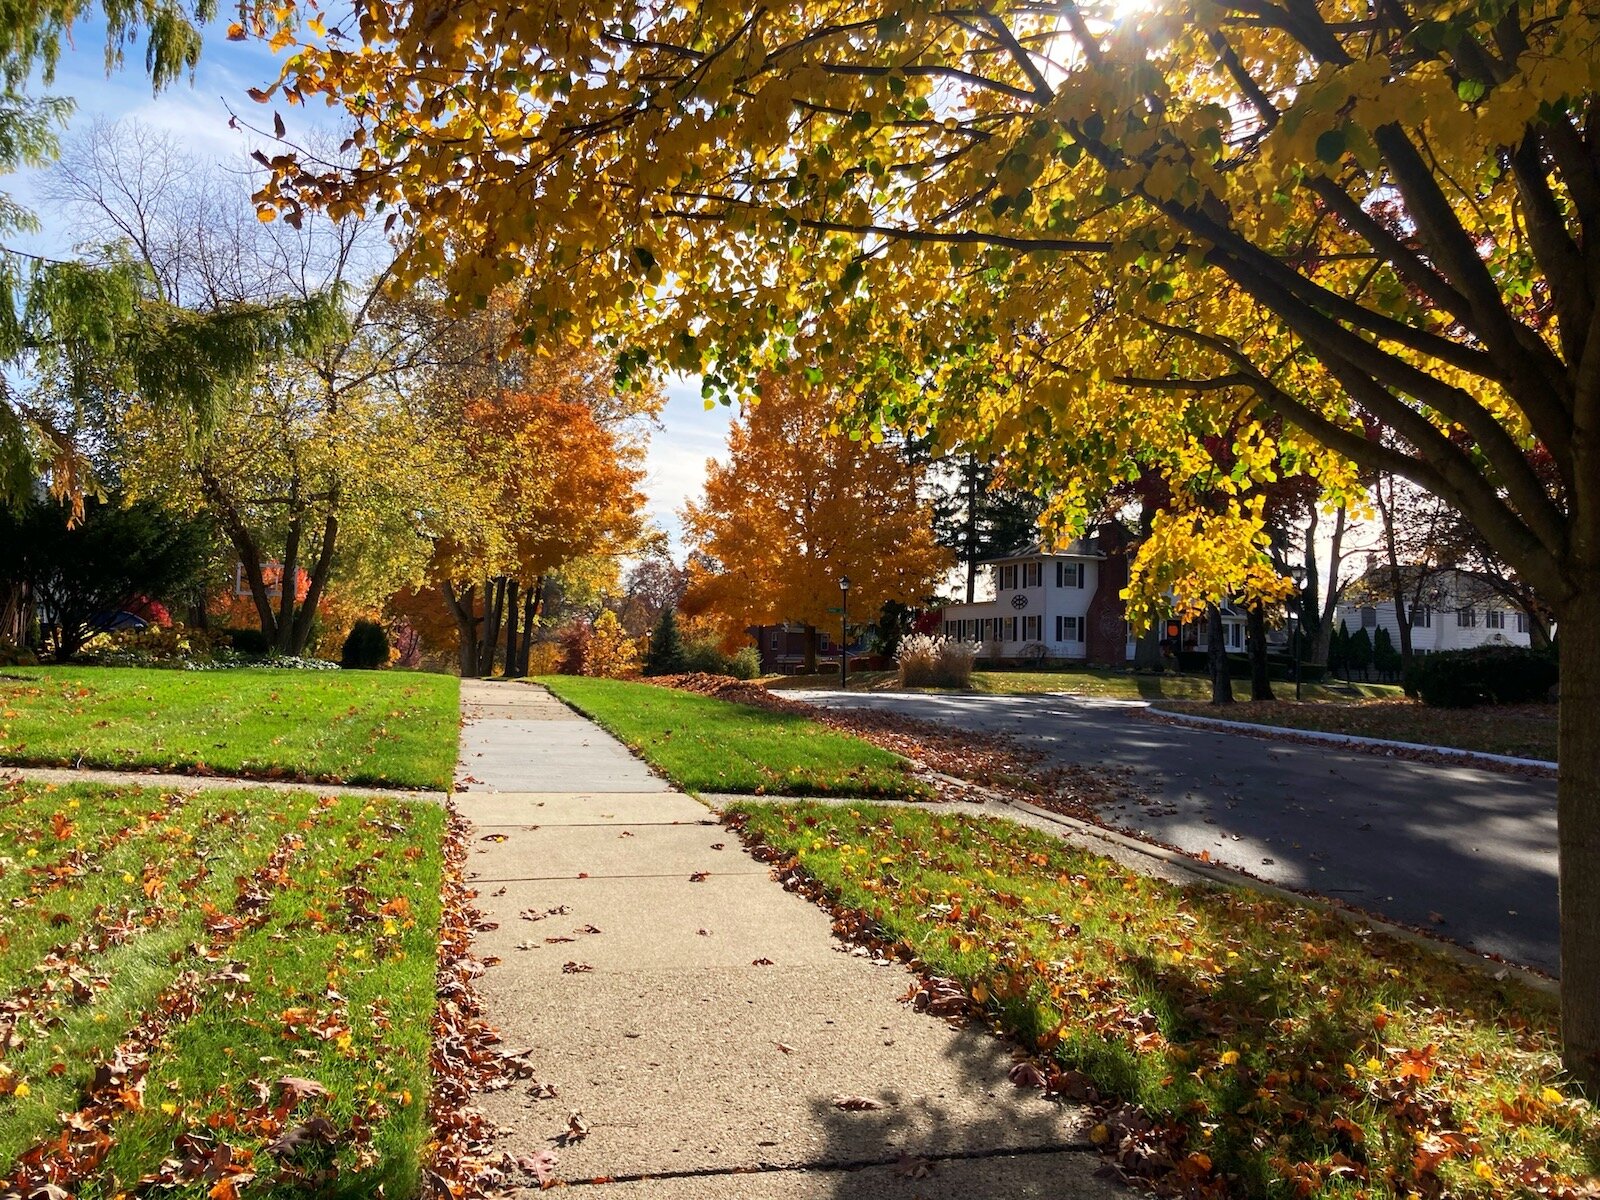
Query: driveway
1467,853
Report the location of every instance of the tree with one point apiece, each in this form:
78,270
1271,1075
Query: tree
314,462
979,517
1131,223
549,485
611,653
1384,656
666,646
90,324
80,574
795,507
652,586
1358,652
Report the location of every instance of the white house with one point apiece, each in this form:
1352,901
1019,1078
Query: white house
1456,613
1065,604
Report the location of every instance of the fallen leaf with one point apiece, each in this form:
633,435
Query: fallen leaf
856,1103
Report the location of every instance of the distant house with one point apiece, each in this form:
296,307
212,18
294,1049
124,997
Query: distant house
1067,605
1455,612
783,647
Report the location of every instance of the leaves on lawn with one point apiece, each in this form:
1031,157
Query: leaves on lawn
1219,1042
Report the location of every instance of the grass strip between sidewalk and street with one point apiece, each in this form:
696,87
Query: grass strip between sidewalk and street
240,991
708,745
1226,1040
383,728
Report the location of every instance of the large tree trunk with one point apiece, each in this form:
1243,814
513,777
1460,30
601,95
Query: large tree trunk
811,649
1578,823
462,605
300,631
511,629
1217,657
1260,681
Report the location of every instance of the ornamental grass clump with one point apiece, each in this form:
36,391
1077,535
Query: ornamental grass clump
928,661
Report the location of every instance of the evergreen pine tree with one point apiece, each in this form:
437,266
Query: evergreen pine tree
666,646
1358,652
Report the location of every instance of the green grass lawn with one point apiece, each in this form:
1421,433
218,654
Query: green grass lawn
709,745
1271,1044
1521,730
1087,681
385,728
222,942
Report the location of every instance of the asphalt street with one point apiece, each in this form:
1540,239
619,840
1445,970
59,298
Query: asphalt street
1467,853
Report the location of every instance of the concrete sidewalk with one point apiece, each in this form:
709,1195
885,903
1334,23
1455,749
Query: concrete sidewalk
702,1019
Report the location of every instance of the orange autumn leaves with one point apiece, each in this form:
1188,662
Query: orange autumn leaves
795,506
551,483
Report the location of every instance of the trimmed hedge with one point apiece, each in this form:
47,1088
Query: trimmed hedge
1484,675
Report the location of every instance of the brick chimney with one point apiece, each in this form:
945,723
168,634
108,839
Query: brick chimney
1106,635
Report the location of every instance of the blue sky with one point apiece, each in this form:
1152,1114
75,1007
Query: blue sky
198,114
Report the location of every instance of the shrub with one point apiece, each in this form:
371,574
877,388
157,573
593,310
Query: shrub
574,640
12,655
612,653
366,648
544,658
1484,675
928,661
248,641
666,655
704,657
746,664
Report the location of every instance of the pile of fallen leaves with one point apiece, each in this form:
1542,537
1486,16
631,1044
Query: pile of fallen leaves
465,1058
953,757
1221,1042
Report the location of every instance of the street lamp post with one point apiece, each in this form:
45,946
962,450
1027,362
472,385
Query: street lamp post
844,631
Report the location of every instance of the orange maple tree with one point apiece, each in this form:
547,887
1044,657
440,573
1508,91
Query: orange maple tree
796,506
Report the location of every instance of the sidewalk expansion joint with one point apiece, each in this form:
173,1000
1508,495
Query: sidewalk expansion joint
762,874
840,1168
532,825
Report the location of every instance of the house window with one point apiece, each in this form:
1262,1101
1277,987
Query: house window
1007,576
1032,630
1466,618
827,643
1522,622
1069,574
1236,636
1422,617
1031,574
1494,618
1369,618
773,639
1069,629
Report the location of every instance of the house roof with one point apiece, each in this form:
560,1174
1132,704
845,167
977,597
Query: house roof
1076,549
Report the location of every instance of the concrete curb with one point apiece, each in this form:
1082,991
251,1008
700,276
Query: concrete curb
1348,739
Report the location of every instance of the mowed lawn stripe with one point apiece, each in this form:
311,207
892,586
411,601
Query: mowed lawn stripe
341,992
708,745
383,728
211,840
